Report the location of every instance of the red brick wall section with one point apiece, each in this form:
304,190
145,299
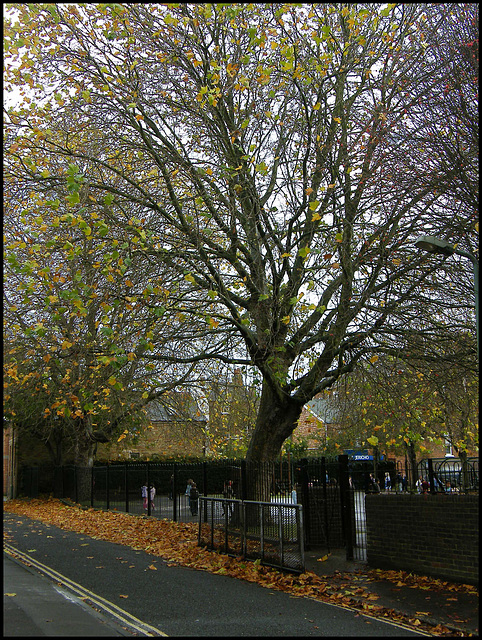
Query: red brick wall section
434,535
165,439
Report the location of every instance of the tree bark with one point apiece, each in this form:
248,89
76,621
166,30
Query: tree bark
276,420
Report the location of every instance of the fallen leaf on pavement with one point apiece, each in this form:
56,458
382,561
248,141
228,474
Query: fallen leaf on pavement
323,559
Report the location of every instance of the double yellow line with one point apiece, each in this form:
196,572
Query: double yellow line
121,616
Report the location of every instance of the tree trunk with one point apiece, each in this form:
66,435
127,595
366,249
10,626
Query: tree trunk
84,454
412,457
277,418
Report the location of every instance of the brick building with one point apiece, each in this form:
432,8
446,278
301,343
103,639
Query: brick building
317,425
177,428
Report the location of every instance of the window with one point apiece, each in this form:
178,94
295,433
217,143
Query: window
448,448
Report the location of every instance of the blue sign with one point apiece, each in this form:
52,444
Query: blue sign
361,456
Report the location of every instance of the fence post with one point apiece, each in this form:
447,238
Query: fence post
92,485
430,475
205,487
107,483
325,503
345,497
174,491
148,483
243,481
305,500
76,485
126,484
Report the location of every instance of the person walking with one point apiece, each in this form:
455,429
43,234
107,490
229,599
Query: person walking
171,487
228,492
388,481
188,491
418,484
193,499
373,486
144,496
152,495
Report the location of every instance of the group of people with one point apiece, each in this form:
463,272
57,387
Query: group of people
146,493
400,483
191,492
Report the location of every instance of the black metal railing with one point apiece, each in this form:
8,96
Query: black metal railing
331,491
271,532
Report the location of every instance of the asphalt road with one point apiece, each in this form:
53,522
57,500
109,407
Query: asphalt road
175,600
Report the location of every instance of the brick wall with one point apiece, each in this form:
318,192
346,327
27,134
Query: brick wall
435,535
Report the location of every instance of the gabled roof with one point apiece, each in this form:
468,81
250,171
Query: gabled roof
176,407
322,408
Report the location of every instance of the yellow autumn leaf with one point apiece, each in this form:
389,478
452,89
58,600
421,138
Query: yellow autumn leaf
323,559
373,359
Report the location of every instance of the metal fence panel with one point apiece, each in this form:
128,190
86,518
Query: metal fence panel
271,532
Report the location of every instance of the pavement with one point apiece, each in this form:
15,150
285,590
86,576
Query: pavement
35,606
60,583
435,602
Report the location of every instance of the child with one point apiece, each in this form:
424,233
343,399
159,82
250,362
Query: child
193,499
144,496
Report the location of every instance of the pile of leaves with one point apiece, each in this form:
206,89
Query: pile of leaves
176,543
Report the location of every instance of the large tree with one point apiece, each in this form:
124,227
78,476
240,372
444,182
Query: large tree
252,150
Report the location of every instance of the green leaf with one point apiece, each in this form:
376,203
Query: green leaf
73,198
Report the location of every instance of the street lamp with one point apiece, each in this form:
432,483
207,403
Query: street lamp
435,245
